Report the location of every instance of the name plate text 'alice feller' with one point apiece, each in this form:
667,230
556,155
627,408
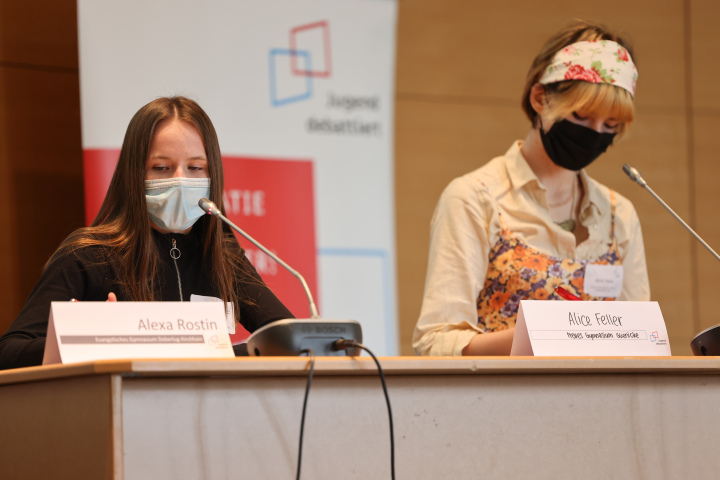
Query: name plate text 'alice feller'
576,328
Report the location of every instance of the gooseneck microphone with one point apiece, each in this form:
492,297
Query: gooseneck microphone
706,342
212,209
292,336
635,176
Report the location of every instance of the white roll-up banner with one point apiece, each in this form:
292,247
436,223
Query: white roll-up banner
301,93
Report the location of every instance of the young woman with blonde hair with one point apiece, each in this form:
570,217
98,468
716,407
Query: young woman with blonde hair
533,220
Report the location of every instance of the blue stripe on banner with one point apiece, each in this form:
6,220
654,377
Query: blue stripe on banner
390,327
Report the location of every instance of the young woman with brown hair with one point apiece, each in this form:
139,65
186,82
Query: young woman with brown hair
532,219
150,241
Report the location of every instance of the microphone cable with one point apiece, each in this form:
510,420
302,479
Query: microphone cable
310,353
343,344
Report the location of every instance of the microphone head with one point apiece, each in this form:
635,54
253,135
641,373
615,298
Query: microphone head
207,205
634,175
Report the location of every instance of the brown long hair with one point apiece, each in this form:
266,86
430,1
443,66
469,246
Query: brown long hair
575,95
122,225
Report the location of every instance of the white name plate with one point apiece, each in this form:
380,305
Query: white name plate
88,331
575,328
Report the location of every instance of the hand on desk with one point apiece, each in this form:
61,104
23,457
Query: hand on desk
491,343
111,298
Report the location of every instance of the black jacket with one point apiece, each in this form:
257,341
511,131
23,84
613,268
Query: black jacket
88,275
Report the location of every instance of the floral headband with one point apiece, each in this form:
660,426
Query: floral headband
601,61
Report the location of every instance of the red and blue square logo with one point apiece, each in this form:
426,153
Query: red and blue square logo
293,69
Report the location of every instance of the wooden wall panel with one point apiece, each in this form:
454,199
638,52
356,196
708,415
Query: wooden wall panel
483,49
705,52
41,162
9,290
40,34
707,198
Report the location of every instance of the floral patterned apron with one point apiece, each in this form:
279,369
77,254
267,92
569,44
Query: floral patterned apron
518,271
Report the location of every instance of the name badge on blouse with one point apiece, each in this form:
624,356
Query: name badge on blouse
603,280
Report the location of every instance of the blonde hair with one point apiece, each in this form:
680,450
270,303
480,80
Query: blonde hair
578,96
596,99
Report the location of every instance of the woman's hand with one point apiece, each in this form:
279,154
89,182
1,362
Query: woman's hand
111,298
492,343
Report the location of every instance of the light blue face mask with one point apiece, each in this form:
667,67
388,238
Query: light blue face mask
172,203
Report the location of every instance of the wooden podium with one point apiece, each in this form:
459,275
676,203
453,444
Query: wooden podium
539,418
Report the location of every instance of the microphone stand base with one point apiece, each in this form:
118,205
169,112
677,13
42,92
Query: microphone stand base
707,342
290,337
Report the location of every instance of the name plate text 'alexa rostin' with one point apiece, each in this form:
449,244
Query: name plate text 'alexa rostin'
89,331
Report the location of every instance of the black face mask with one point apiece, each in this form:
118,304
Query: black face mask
574,146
